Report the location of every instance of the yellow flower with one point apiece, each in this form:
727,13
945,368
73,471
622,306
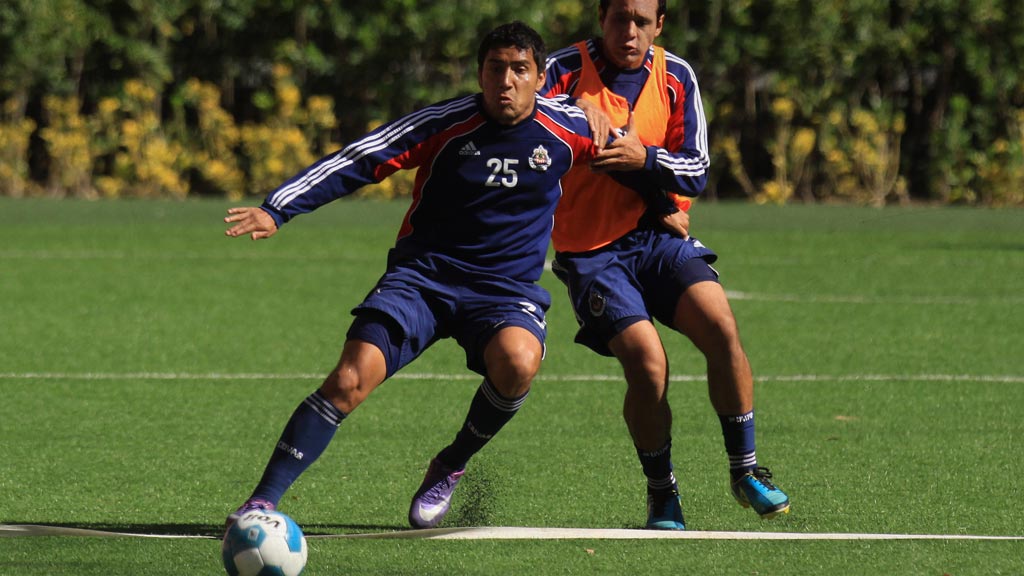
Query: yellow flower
783,108
108,106
280,71
803,142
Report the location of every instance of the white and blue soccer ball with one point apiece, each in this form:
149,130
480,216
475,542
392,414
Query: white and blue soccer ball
264,543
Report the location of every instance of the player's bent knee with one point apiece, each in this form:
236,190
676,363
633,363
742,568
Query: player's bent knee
514,350
520,364
645,372
511,369
345,389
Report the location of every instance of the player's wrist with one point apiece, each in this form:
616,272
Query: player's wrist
651,161
279,217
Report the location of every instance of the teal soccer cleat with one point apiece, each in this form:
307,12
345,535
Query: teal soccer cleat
665,510
755,490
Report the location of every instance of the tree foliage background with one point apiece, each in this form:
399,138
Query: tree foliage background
855,100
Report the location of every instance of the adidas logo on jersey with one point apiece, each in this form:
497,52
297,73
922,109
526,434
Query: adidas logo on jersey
469,149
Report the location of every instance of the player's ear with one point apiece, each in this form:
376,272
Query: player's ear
541,77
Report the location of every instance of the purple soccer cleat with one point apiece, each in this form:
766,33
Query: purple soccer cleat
250,504
432,500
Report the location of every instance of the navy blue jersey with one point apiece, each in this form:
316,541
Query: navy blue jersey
484,194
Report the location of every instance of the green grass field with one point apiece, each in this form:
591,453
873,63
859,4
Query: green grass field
148,363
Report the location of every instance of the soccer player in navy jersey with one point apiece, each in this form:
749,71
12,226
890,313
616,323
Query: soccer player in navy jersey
465,264
625,261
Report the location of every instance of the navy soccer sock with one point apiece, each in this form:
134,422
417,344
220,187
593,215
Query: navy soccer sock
738,432
307,434
657,465
488,412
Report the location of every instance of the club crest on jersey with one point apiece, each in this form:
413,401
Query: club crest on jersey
597,303
539,160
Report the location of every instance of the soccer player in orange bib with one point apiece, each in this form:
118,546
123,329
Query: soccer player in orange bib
624,253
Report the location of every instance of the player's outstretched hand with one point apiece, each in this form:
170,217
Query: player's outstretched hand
250,220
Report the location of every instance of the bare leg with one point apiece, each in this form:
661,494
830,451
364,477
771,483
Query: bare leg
646,408
359,371
703,314
512,358
649,419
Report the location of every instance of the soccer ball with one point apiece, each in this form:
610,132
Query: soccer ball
264,543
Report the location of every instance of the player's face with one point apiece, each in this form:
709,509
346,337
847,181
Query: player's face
509,80
629,28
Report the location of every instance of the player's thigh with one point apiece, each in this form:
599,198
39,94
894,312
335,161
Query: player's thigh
404,314
397,345
669,268
640,351
704,315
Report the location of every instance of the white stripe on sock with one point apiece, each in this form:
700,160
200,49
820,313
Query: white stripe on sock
324,408
739,461
499,401
661,483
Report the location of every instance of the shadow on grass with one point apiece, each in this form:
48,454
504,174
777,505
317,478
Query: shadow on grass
30,528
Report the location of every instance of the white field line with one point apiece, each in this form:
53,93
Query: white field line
13,530
215,376
883,300
523,533
150,256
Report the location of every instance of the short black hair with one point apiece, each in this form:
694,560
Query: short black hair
661,7
515,34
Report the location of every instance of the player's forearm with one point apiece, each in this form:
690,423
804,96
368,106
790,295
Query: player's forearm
319,184
685,174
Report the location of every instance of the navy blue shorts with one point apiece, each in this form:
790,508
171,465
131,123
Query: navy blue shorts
637,277
418,302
